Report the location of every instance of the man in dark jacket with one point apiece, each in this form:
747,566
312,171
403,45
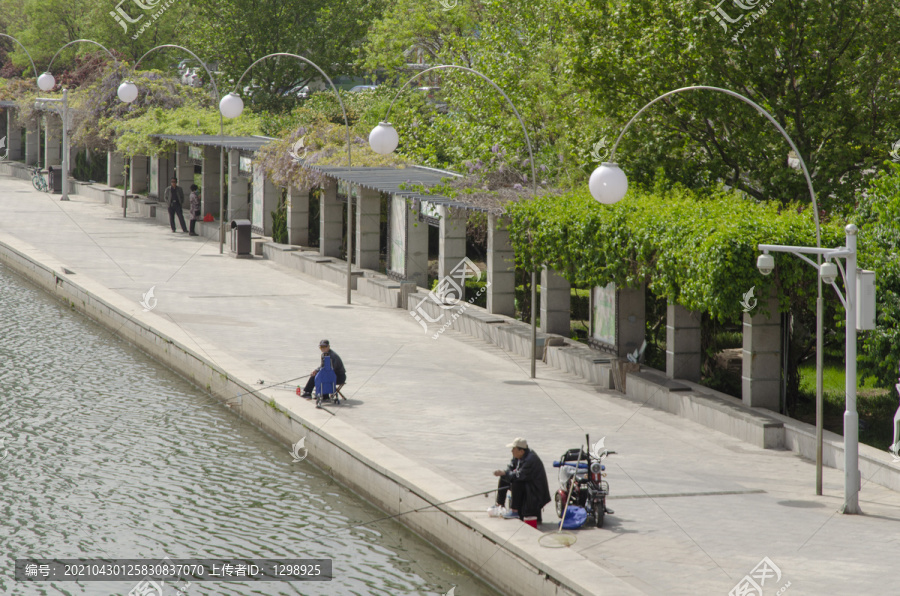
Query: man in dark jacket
337,365
175,199
526,478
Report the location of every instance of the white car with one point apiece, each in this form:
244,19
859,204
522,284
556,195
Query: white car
361,88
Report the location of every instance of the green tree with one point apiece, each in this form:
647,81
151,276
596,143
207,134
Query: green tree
826,70
326,32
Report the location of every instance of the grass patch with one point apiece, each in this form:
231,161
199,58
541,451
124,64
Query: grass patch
876,406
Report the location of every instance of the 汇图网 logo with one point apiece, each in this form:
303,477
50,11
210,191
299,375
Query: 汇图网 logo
148,300
296,448
749,302
753,584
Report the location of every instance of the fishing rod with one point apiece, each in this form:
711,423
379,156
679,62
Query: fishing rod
396,515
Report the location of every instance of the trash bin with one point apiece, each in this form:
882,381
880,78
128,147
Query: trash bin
55,175
240,237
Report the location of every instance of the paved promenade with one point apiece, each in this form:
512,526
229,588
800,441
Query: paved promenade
695,510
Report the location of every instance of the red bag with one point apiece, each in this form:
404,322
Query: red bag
208,217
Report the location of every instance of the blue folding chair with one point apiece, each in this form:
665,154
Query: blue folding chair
326,384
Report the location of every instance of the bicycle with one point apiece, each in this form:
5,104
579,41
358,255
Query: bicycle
38,180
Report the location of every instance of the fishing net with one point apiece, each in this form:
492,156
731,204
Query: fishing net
558,539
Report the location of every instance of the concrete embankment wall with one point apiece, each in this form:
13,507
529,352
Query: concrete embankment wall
507,555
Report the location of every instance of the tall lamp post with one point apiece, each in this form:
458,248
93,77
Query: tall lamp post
232,105
64,114
611,171
46,82
128,92
859,305
384,139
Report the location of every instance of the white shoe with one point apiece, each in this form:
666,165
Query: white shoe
496,511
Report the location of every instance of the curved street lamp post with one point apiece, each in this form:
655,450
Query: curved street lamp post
384,139
128,92
232,105
851,447
46,82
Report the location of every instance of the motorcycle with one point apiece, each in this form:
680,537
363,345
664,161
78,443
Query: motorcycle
581,481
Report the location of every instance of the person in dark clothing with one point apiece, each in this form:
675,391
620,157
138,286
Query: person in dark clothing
526,479
175,199
195,208
337,365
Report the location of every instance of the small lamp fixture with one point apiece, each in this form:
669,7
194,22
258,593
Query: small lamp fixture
383,139
765,263
46,82
127,92
828,272
608,183
231,105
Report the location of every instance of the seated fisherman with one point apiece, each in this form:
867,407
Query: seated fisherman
337,365
526,478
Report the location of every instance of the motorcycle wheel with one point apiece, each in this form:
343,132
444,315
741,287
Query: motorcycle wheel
560,506
599,513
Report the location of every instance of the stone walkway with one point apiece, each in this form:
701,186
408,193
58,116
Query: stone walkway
695,510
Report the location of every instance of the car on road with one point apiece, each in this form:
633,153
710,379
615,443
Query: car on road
361,88
300,92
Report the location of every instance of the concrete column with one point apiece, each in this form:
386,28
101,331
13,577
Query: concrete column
238,190
367,243
683,354
631,320
160,175
556,294
265,201
52,141
115,169
451,244
330,221
184,169
210,195
139,176
13,134
501,268
32,142
761,372
417,249
298,216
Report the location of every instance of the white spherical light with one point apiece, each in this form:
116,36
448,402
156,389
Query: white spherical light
383,139
127,92
608,183
46,82
231,105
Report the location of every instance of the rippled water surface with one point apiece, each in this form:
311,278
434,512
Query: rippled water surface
107,454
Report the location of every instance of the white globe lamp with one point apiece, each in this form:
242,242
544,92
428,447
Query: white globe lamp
231,105
608,183
383,139
46,82
127,92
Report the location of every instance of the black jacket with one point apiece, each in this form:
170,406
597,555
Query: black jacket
529,471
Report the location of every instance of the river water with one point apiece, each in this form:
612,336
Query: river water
109,455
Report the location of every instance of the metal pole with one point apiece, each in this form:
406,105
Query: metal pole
125,185
819,402
533,321
221,199
851,418
349,237
65,146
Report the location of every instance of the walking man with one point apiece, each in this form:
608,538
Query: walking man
175,199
